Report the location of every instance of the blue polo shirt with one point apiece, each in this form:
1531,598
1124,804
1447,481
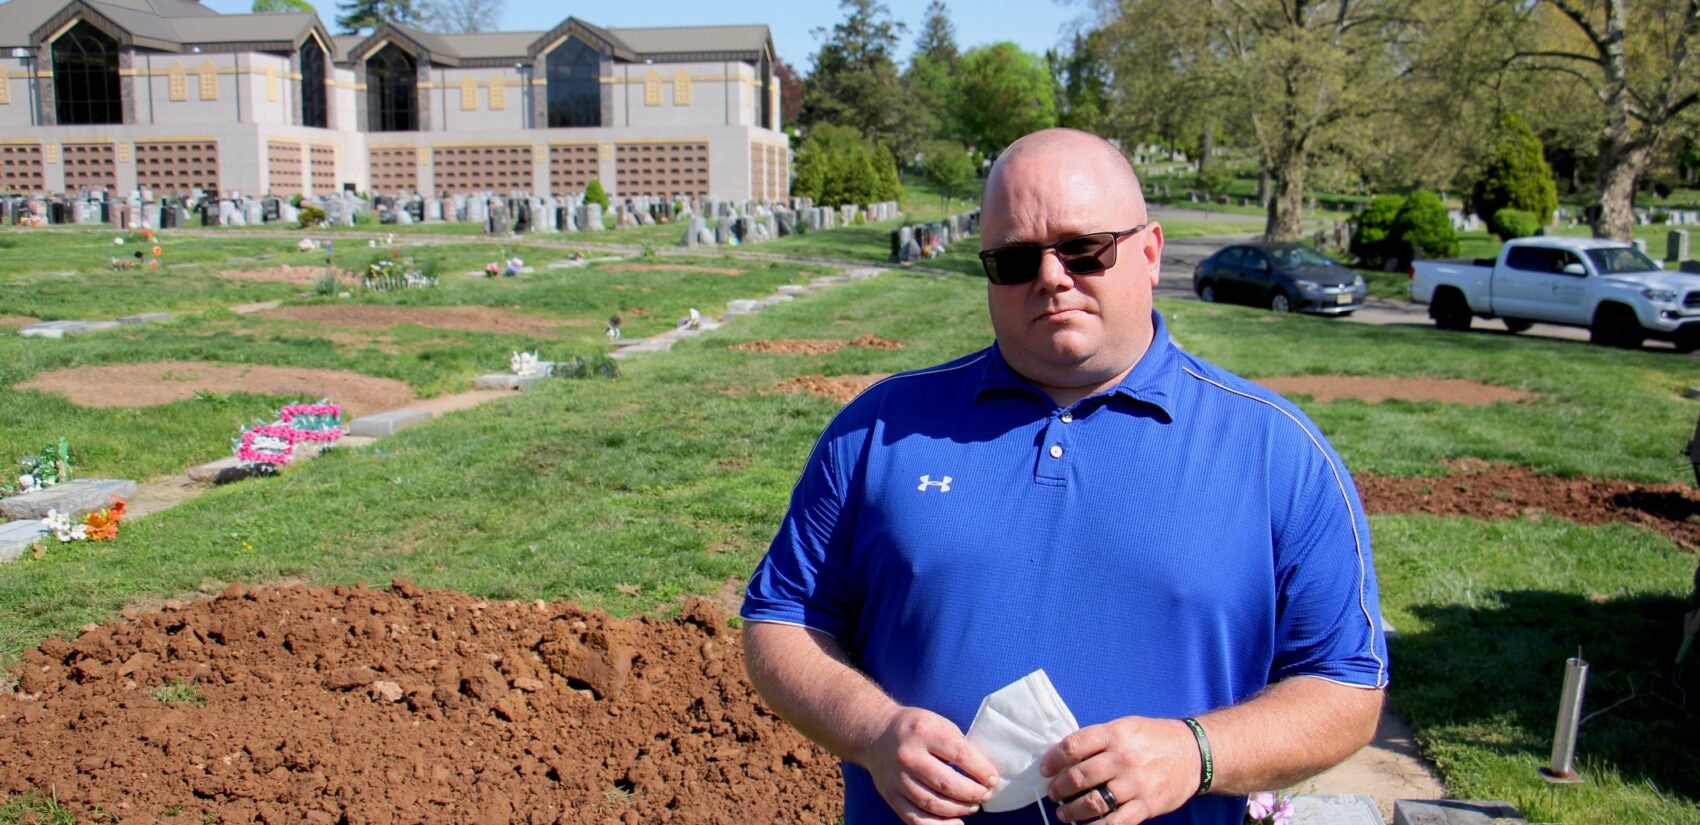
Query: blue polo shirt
1166,547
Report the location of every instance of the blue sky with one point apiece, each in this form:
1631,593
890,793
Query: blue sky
1036,25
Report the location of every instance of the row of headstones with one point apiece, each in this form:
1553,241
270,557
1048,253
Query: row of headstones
929,240
761,222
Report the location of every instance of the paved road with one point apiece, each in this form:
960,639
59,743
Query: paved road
1179,257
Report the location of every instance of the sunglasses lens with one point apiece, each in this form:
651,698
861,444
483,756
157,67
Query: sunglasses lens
1088,253
1012,265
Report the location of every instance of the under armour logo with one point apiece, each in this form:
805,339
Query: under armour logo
927,481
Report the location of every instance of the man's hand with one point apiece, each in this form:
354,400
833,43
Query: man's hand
1150,766
926,770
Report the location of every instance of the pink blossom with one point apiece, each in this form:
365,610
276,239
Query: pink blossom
1260,806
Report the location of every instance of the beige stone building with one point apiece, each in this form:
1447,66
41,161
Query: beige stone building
174,96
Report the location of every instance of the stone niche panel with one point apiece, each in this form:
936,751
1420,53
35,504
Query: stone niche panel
90,165
572,166
21,168
758,171
177,166
464,170
322,157
283,165
662,169
394,169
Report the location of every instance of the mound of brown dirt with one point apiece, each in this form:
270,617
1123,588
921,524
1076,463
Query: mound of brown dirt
301,275
1375,389
796,346
840,388
402,706
16,321
465,318
162,382
1492,491
636,267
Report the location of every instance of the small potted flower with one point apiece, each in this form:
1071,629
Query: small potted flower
1268,808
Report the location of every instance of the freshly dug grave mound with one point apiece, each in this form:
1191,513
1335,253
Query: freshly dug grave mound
1488,491
286,274
465,318
296,705
1375,389
840,388
635,267
17,321
162,382
796,346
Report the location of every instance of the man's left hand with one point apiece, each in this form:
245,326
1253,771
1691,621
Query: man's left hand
1149,766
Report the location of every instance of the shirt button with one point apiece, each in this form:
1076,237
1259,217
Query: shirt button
1068,418
1056,451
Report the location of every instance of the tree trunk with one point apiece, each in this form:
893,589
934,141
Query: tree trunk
1620,169
1287,201
1206,141
1263,188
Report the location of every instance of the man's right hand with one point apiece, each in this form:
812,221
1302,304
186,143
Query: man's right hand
925,769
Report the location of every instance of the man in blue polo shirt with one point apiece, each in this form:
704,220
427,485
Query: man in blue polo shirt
1178,549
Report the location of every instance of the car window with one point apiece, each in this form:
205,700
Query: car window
1253,260
1230,256
1531,259
1295,257
1612,260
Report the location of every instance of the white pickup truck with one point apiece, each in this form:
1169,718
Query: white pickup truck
1610,287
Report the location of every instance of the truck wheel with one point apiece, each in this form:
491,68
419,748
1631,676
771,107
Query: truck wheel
1688,342
1615,326
1516,325
1207,292
1449,311
1280,302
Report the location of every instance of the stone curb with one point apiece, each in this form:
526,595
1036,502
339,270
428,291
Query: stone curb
74,498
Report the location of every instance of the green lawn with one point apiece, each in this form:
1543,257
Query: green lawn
629,494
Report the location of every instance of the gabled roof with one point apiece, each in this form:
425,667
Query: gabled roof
165,25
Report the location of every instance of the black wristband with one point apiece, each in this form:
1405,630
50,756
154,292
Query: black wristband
1206,766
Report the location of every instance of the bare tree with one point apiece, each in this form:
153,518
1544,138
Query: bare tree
462,16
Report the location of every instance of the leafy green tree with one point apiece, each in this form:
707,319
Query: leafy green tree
937,40
462,16
277,6
366,14
1081,79
930,79
837,165
1002,94
949,167
1516,176
594,193
855,81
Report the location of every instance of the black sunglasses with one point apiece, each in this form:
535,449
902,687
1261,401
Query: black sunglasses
1080,255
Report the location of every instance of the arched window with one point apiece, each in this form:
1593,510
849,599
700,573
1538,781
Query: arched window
575,85
392,91
314,111
766,107
85,77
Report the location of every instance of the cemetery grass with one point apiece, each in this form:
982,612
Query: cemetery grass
629,494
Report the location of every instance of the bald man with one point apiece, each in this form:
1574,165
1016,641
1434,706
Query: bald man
1178,549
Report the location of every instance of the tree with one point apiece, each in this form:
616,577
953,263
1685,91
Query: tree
855,82
1636,58
790,91
937,40
366,14
837,165
1304,79
949,167
1514,176
930,80
279,6
462,16
1081,80
1002,94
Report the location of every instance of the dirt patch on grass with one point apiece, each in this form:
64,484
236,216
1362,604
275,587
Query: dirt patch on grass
797,346
299,275
840,388
464,318
1375,389
1488,491
635,267
17,321
162,382
296,705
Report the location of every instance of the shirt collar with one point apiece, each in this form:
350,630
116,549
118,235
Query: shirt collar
1151,381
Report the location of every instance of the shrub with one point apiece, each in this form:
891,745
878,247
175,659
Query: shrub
1213,178
836,166
594,193
1374,231
1423,224
1516,176
311,216
1515,223
325,285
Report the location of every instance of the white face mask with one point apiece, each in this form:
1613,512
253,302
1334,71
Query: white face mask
1013,728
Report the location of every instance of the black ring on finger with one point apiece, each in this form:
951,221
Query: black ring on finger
1108,798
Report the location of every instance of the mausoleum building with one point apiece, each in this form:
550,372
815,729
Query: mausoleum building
173,96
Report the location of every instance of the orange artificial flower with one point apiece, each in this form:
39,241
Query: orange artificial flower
156,251
103,526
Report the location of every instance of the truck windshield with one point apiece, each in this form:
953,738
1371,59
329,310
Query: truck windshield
1613,260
